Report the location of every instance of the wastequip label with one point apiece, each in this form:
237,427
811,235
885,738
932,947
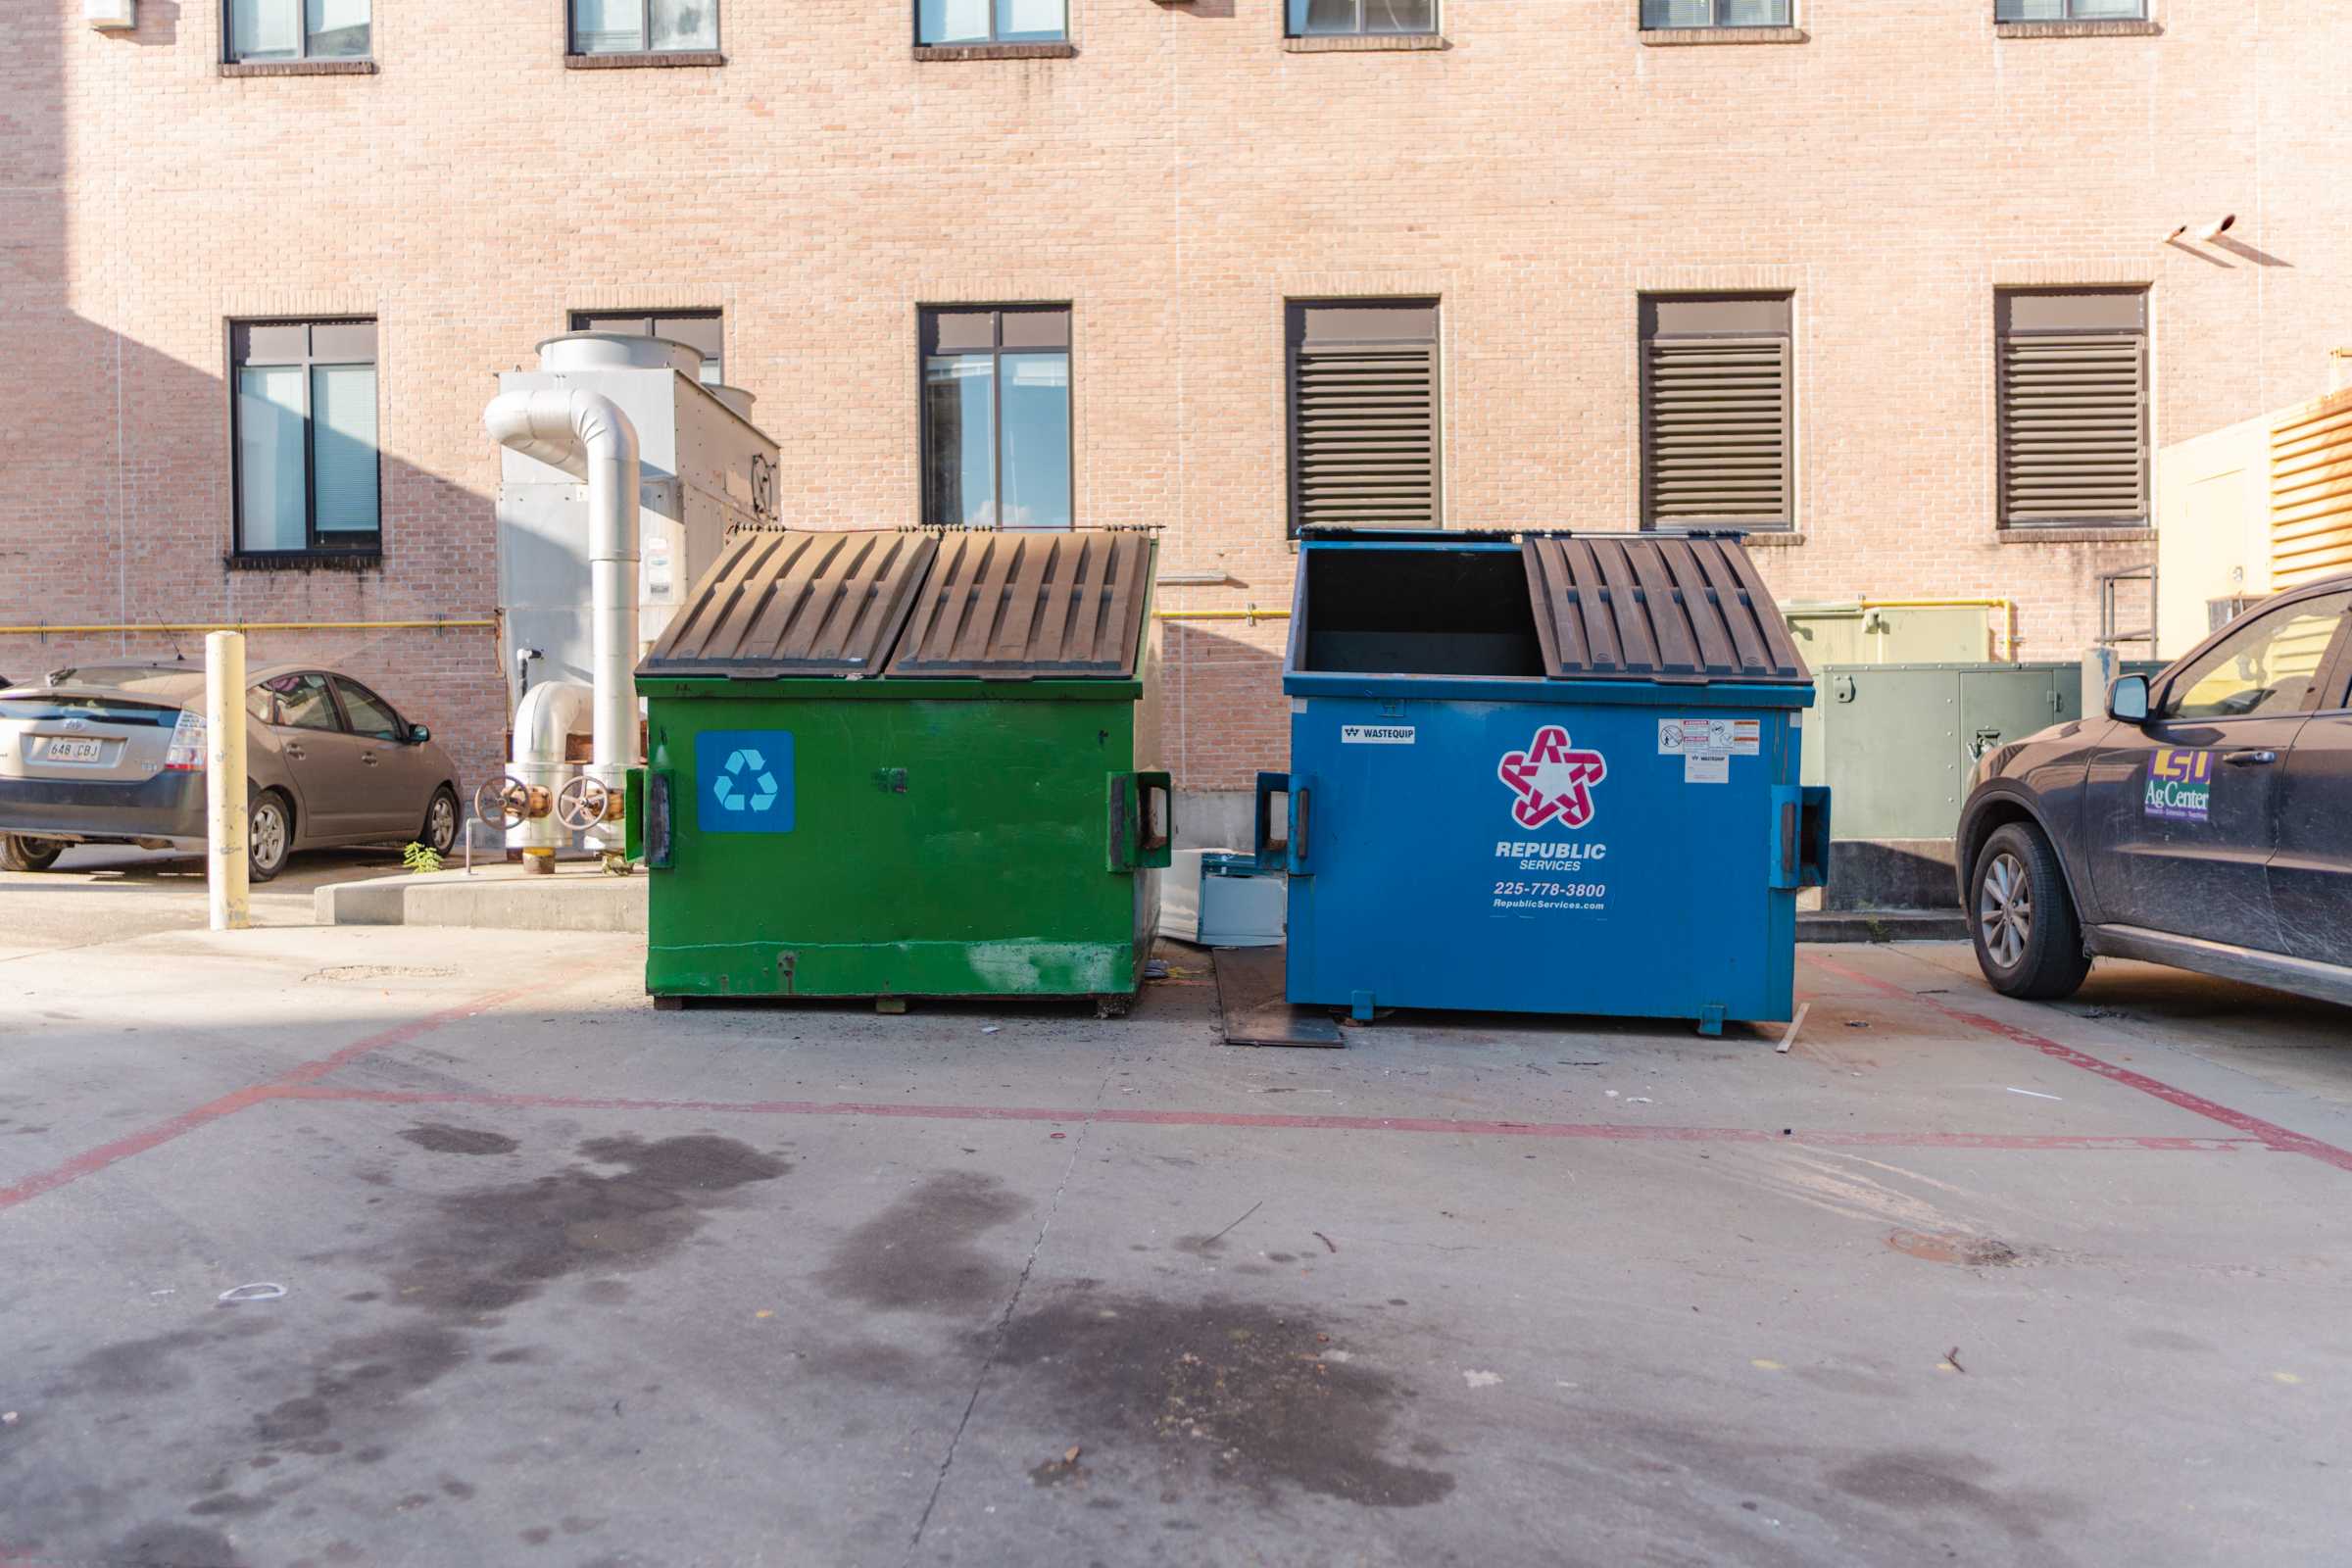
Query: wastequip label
1375,734
1552,781
2180,785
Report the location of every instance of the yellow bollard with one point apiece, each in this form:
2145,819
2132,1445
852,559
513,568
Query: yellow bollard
226,816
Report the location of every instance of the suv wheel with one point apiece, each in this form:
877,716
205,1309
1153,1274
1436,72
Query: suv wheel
21,854
269,836
2029,938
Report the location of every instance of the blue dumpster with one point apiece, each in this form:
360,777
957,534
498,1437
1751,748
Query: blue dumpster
1541,773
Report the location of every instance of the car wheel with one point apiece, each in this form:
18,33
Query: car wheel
269,835
2029,938
440,832
21,854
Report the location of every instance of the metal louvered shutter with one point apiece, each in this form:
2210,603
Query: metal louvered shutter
2074,423
1365,416
1715,432
2311,491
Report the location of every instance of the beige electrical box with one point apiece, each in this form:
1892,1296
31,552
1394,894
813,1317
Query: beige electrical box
111,16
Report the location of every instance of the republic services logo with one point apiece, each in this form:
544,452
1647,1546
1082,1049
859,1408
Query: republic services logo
1551,779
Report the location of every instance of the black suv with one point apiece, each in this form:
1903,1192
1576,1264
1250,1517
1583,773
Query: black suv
2204,822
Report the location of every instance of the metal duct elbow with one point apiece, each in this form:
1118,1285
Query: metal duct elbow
587,436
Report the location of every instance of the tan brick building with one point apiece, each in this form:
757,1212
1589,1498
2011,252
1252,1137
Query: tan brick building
1176,173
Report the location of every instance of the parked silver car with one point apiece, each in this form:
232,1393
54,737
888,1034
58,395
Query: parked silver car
114,754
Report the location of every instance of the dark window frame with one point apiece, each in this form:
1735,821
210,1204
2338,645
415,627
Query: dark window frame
1644,25
1644,306
2143,14
1295,312
228,39
1436,28
923,334
2145,518
348,543
653,318
915,20
645,25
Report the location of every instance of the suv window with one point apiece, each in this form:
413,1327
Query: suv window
369,715
304,702
2265,668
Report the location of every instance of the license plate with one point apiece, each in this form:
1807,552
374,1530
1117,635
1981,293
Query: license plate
72,751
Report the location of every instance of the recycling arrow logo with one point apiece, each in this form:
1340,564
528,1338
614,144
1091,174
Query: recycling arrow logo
731,789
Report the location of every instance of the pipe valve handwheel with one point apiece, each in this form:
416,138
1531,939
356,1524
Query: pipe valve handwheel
510,801
585,803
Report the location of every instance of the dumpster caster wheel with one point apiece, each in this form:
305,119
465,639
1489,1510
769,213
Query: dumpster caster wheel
891,1005
1113,1007
669,1004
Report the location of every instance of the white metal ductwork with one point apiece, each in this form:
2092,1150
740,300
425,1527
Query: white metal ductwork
587,436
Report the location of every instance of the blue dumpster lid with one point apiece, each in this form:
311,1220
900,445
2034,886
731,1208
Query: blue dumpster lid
784,601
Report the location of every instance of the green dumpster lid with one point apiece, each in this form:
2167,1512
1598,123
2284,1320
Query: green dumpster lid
1656,606
1008,605
789,602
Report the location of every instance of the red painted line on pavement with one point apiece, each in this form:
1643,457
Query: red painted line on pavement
96,1159
1607,1132
2268,1134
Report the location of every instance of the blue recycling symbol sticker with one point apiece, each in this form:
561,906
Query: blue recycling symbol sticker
746,780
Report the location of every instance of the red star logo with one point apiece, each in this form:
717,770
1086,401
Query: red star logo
1552,780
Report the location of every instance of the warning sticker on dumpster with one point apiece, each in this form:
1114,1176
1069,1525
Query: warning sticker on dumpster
1375,734
1727,737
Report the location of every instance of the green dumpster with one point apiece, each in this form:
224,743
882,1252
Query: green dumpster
905,764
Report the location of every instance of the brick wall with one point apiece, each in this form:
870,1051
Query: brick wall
1175,181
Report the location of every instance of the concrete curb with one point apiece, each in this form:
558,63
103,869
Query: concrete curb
1883,925
569,900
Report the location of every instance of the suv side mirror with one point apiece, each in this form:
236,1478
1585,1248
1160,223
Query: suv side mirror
418,734
2128,699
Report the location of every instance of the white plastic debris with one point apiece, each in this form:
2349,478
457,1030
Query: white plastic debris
1482,1380
253,1292
2035,1094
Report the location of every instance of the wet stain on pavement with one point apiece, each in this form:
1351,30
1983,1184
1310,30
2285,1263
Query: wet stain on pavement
1222,1393
1929,1481
1969,1252
442,1139
492,1248
173,1546
468,1255
919,1254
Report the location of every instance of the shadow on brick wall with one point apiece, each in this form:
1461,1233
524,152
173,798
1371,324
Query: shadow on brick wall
116,490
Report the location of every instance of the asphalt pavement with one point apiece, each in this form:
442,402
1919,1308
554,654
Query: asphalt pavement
533,1274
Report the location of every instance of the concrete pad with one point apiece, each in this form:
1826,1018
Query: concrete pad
496,897
569,1280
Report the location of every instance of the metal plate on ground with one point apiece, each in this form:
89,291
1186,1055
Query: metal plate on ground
1251,1007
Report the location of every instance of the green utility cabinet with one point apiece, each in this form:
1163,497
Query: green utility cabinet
905,765
1896,743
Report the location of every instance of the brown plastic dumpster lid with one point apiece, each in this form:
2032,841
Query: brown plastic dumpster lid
1013,606
1657,607
781,602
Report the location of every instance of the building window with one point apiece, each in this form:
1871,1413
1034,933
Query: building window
997,417
1715,12
704,332
2070,10
305,436
644,26
262,31
2073,407
1321,18
1717,410
952,21
1363,414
